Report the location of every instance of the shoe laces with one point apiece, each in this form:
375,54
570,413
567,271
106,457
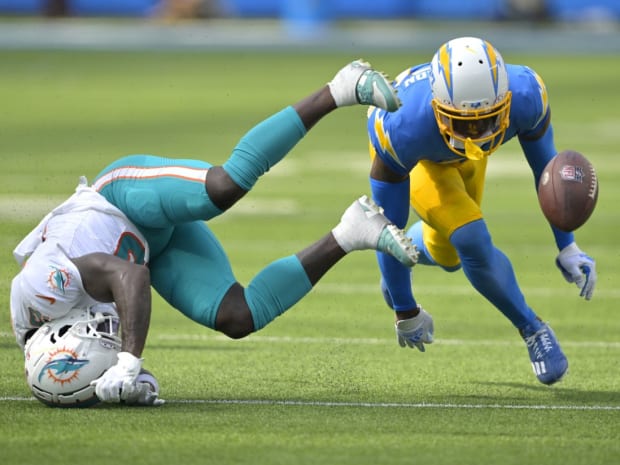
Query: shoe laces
540,342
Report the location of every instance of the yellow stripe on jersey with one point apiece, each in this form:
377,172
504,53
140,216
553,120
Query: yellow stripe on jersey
543,93
384,139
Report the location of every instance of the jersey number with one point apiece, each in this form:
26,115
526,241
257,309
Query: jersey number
130,248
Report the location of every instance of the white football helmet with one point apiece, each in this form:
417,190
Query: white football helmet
63,356
471,99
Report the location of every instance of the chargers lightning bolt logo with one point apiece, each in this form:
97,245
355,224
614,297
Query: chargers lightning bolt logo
383,137
63,366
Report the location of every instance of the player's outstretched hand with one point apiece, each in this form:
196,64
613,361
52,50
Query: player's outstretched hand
119,381
416,331
147,391
578,268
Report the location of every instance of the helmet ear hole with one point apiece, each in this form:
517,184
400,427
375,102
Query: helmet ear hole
29,334
56,335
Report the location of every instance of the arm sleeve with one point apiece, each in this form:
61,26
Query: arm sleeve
394,199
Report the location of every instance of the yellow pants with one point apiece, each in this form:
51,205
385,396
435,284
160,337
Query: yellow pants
446,197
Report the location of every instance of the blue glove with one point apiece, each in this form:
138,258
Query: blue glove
578,268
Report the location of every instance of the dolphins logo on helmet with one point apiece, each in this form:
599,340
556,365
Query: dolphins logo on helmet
63,366
64,355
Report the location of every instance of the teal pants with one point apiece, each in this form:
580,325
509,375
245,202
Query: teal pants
167,200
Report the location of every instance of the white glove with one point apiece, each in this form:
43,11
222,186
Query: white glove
416,331
147,391
119,381
144,395
578,268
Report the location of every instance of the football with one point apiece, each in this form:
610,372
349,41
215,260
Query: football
568,190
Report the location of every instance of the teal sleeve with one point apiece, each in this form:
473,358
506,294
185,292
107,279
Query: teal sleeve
264,146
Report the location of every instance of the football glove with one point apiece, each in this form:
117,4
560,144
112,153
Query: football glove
578,268
146,392
416,331
119,381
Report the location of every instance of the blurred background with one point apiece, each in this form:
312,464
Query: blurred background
583,26
323,10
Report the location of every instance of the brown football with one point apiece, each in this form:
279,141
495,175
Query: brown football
568,190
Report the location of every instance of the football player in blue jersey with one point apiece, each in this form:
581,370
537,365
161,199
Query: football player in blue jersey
431,154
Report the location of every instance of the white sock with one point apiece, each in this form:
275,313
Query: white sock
360,239
343,86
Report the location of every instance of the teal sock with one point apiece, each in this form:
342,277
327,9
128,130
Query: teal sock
264,146
275,289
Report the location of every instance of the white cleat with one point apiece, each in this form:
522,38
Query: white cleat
358,83
364,227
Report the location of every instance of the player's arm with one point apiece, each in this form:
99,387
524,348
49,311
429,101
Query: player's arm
576,266
107,278
532,114
390,191
539,148
414,326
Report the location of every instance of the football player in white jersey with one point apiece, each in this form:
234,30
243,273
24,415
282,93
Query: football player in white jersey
431,155
142,224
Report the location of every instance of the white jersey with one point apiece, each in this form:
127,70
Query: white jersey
49,284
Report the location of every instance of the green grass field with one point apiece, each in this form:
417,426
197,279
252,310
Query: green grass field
326,383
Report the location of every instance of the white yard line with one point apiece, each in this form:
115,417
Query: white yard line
452,290
399,405
366,341
210,337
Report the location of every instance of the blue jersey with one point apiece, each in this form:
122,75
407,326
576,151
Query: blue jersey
410,143
404,137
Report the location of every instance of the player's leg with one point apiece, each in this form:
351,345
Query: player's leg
157,193
193,274
272,139
430,234
448,199
491,273
488,269
427,194
276,288
356,83
282,283
202,286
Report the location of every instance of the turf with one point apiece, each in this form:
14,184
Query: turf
325,383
